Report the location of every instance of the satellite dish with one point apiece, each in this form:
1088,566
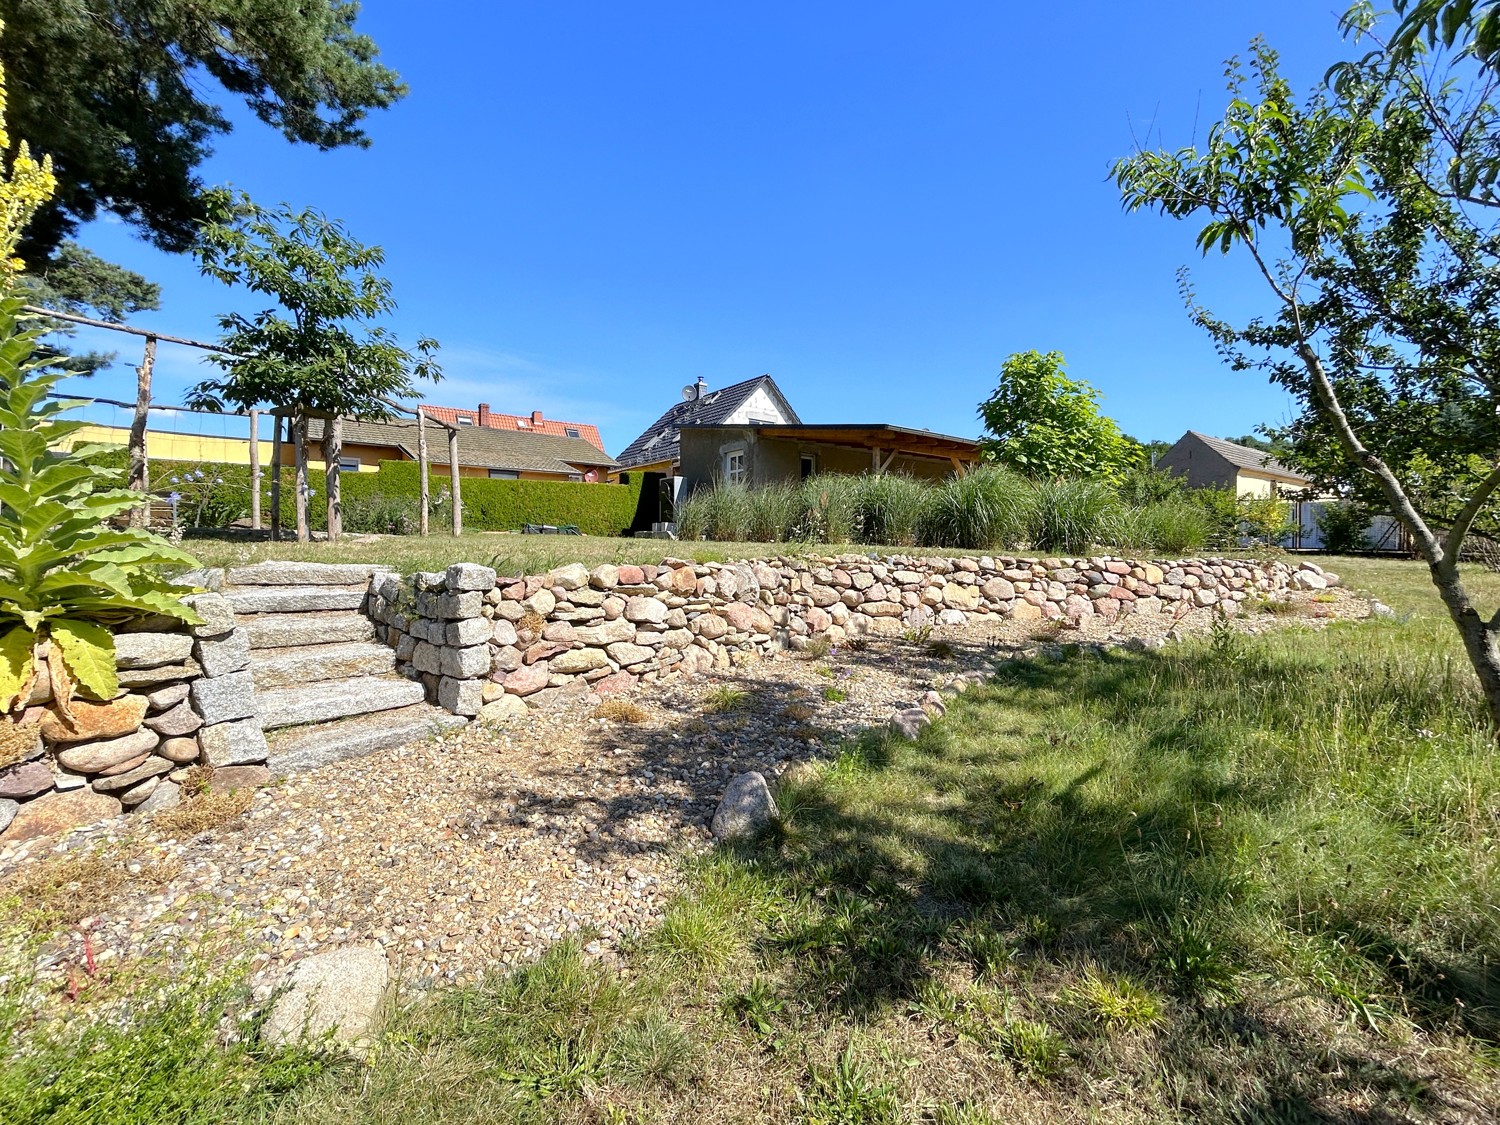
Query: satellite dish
690,392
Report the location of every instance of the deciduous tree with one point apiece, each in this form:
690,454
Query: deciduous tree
1046,425
321,350
1366,210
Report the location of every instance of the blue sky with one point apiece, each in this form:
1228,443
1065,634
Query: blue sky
593,204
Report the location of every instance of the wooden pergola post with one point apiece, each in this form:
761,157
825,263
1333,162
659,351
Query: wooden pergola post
254,470
333,451
458,507
299,455
276,428
425,502
138,477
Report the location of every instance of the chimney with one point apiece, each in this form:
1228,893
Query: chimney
700,386
536,417
484,414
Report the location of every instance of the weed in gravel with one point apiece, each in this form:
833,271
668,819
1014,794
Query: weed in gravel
696,936
197,779
62,890
799,712
817,648
202,813
835,694
621,711
724,698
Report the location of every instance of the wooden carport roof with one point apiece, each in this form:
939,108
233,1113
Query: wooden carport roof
884,442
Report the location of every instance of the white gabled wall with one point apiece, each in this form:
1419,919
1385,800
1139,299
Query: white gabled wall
760,406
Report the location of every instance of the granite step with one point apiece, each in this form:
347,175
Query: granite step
285,630
283,572
295,599
305,664
334,699
305,748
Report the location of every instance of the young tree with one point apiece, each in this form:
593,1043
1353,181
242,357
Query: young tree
1366,213
1041,423
115,91
321,351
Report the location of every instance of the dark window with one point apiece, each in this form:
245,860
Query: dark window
571,431
504,474
809,465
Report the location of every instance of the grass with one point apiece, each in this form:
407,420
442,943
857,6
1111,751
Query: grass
725,699
621,711
202,813
1241,879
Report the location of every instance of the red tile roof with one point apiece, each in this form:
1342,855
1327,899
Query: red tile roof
523,423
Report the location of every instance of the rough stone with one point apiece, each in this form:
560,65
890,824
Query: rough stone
471,631
579,660
625,654
464,663
606,634
222,699
233,744
92,721
503,633
165,697
93,757
542,603
337,994
460,697
605,576
527,680
151,650
153,766
745,808
168,794
8,810
505,709
179,750
226,778
645,611
466,577
569,577
216,612
173,723
25,779
52,813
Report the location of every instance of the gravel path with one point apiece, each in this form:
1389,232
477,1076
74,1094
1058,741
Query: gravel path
484,846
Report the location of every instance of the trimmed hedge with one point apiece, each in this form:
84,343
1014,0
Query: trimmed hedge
222,495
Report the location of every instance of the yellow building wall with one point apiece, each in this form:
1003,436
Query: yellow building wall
658,467
1259,488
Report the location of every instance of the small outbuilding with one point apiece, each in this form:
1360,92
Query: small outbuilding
1210,462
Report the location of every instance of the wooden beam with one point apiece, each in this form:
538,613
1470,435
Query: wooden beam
458,507
254,470
299,455
425,494
139,475
276,428
960,468
886,464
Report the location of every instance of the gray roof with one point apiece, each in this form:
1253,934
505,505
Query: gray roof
1243,457
661,442
478,446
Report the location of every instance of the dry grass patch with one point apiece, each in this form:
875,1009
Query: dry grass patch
60,891
621,711
799,712
204,812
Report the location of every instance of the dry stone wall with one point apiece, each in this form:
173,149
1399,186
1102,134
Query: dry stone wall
186,697
493,645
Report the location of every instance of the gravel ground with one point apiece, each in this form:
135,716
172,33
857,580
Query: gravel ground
484,846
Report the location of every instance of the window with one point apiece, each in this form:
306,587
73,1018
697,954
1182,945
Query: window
734,467
571,431
464,421
576,478
522,424
348,464
504,474
809,463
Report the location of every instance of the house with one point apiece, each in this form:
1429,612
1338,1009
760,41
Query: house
533,423
1210,462
753,401
483,451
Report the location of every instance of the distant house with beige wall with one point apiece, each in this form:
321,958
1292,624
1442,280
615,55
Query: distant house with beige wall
1210,462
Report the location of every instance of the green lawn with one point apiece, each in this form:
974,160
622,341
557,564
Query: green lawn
1246,879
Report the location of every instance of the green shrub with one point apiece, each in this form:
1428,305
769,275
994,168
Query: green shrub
988,508
1142,486
382,515
1342,526
892,508
1070,515
775,512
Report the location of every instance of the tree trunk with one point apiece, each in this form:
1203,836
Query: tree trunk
255,470
276,428
139,475
458,506
299,455
333,451
426,493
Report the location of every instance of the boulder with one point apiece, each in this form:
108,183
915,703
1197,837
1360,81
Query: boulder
166,795
579,660
465,577
710,626
165,697
227,778
8,810
460,697
613,684
151,650
234,744
219,656
93,721
502,632
910,722
569,577
153,766
179,750
647,611
25,779
216,612
606,634
94,757
528,679
471,631
52,813
180,720
625,654
541,603
605,576
222,699
505,709
337,994
745,809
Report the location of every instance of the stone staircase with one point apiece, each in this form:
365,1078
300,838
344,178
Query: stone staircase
324,689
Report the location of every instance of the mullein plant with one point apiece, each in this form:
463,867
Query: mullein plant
66,577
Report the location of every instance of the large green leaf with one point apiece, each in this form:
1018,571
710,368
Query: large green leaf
16,646
89,652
